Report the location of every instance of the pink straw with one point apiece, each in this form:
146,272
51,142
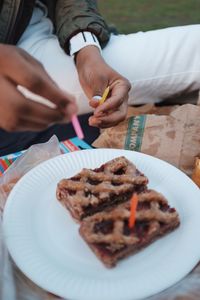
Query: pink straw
77,127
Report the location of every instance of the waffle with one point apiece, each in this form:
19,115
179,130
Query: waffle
92,191
111,239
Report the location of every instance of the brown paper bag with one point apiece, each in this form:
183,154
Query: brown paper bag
174,138
150,109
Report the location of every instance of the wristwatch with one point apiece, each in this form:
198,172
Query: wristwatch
81,40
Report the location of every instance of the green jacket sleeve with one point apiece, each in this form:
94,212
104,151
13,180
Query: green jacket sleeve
73,16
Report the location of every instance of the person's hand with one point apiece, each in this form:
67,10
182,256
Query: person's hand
95,75
17,113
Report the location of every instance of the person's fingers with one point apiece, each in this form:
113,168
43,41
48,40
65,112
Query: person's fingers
9,100
111,119
94,102
34,77
36,63
15,107
119,94
93,82
27,125
111,104
40,84
98,88
41,113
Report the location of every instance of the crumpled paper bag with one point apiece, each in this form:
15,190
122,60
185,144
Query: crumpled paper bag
174,138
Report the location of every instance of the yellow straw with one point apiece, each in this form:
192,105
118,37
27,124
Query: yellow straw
105,95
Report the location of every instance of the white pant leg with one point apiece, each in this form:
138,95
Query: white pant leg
158,63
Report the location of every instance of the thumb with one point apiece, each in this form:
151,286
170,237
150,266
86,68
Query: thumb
97,94
94,102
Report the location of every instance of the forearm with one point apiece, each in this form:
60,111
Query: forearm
73,16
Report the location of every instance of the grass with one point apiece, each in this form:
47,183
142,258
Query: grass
141,15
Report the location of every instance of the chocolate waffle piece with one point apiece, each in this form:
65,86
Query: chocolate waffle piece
92,191
108,233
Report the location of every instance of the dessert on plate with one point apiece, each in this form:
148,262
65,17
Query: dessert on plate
117,212
109,235
92,191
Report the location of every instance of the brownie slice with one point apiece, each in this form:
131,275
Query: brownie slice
92,191
111,239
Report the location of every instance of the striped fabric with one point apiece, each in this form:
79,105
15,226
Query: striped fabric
71,145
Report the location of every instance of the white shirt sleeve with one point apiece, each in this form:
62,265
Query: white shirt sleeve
81,40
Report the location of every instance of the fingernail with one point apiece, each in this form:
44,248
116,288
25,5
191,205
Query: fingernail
94,124
95,121
96,98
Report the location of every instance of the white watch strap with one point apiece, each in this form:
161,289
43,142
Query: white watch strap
81,40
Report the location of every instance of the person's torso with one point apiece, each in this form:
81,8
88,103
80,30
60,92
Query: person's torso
14,18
